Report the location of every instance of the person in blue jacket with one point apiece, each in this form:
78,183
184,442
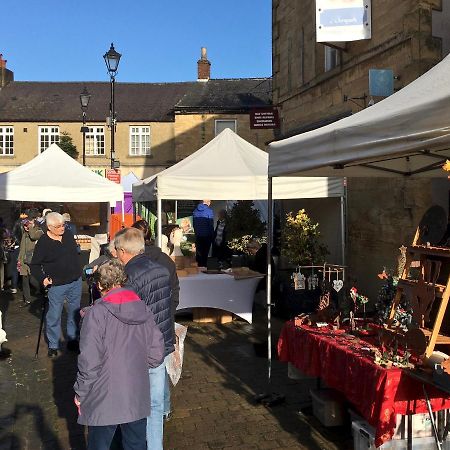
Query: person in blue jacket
203,218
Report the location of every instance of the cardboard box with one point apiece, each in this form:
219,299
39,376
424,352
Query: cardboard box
211,315
328,407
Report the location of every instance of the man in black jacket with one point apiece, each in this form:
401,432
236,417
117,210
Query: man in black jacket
55,264
151,281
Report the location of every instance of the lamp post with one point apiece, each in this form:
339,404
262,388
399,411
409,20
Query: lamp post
112,59
84,100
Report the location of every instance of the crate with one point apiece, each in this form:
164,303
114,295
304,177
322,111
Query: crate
211,315
328,407
364,439
295,374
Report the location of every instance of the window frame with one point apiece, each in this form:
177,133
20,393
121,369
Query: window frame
93,134
3,138
49,134
328,64
140,134
225,120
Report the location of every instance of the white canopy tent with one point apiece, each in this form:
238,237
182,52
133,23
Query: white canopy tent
228,168
406,134
53,176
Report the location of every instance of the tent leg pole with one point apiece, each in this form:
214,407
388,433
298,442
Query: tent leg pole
176,210
343,230
269,279
269,398
159,214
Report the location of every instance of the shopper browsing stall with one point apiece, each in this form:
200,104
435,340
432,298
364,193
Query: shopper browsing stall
119,341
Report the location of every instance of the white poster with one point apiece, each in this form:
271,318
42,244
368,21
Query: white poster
343,20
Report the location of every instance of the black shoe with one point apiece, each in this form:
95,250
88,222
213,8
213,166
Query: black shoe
52,352
73,346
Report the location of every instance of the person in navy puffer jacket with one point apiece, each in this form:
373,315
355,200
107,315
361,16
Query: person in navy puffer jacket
151,281
203,218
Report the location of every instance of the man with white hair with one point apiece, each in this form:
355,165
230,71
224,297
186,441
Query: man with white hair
151,282
55,264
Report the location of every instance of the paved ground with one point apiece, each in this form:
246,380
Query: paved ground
213,403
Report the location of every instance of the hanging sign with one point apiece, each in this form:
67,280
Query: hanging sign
113,175
343,20
264,118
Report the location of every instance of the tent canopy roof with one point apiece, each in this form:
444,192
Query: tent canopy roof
228,168
53,176
406,134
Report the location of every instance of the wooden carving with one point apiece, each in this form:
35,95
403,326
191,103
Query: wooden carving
424,293
416,341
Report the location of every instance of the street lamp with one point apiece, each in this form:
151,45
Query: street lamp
112,59
84,100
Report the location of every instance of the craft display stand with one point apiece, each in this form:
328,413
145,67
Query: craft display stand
431,261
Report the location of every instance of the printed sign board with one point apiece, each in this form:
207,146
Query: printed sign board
264,118
113,175
343,20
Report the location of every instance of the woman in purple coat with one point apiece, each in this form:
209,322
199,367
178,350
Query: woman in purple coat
119,341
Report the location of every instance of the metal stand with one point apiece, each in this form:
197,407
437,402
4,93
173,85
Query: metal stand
41,325
433,422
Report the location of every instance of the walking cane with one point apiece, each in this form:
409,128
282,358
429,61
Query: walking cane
41,325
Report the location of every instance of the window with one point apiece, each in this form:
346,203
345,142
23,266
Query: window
6,141
140,141
95,141
47,137
331,58
222,124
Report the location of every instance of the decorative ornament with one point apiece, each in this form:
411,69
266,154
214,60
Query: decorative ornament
299,281
338,285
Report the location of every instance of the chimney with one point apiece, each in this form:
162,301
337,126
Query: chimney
204,67
6,75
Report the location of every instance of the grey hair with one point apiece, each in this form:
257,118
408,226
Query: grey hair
130,240
111,245
54,218
110,274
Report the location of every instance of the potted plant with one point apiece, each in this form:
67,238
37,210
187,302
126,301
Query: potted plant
300,240
244,225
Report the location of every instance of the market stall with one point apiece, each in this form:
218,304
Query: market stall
345,363
55,177
228,168
405,135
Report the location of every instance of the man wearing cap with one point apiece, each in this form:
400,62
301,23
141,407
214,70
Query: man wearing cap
55,264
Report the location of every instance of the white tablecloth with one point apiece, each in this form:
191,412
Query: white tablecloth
219,291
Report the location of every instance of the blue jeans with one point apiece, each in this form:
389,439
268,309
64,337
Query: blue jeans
167,409
56,296
133,436
155,419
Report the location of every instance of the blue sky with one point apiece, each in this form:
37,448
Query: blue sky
160,40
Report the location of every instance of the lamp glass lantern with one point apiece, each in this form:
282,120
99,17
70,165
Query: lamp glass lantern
85,97
112,59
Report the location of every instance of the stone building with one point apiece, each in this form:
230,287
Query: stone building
158,124
318,83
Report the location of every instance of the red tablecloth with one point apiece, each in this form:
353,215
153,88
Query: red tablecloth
378,394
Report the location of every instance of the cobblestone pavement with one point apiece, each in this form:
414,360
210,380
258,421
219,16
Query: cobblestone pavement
213,403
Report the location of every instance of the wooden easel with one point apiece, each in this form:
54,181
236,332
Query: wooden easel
426,255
